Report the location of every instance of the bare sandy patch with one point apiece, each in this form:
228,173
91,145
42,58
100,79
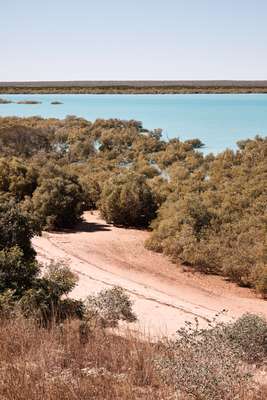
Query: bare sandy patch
164,295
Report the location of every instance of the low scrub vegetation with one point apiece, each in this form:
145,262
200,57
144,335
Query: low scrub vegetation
41,292
214,363
207,212
127,200
216,221
68,362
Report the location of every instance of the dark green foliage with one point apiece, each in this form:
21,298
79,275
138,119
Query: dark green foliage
18,267
92,191
15,228
7,304
59,280
20,283
17,178
58,202
127,200
44,298
16,273
18,140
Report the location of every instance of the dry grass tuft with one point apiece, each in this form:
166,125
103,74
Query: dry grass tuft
36,363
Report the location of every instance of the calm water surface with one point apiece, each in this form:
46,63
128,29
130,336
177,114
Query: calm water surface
219,121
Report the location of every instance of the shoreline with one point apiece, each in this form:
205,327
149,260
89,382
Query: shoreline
5,90
135,87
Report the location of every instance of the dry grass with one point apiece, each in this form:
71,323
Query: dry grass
55,364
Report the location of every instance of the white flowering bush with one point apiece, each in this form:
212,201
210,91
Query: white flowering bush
109,307
213,363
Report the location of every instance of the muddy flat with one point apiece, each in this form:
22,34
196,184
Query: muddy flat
164,295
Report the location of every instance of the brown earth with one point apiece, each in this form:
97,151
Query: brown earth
164,295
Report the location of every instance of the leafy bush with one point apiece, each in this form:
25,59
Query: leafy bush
19,140
109,306
16,273
249,335
215,216
7,304
15,228
127,200
208,363
92,190
17,178
44,299
57,202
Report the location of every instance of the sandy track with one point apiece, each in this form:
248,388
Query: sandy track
164,296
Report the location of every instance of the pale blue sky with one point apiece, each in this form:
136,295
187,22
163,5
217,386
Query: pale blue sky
133,39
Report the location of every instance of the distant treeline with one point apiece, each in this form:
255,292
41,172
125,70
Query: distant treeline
135,87
206,212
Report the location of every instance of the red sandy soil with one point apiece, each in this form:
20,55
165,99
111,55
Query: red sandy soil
164,295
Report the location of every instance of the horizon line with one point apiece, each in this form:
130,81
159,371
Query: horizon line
137,83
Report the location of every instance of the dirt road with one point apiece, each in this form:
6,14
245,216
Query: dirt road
164,296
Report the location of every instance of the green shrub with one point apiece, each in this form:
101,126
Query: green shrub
108,307
127,200
249,334
7,304
16,273
92,190
15,228
17,178
57,202
206,364
44,299
214,219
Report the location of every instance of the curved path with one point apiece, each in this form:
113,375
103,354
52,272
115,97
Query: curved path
164,296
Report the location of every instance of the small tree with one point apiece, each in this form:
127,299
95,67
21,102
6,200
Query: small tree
15,228
17,178
127,200
20,283
57,203
16,273
44,299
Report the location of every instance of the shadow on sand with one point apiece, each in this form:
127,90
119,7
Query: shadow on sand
85,226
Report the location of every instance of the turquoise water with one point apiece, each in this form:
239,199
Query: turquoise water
219,121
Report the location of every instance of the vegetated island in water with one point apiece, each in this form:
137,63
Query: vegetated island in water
29,102
5,101
134,87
